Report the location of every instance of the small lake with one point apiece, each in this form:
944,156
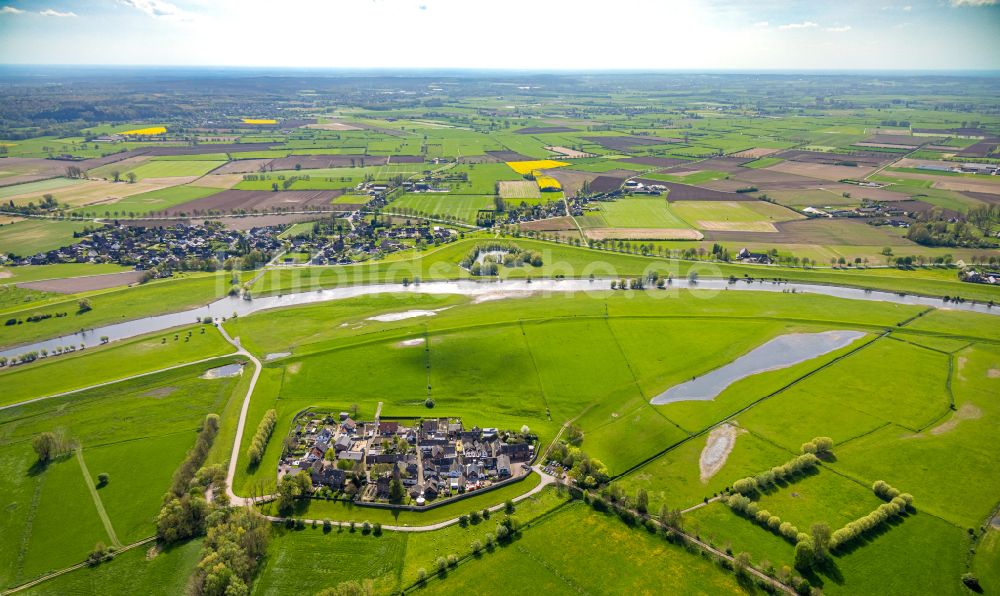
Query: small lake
221,372
780,352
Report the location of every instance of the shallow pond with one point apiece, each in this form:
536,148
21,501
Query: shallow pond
780,352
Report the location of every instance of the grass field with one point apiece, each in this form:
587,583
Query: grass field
703,214
170,169
628,562
41,187
152,420
444,205
641,213
32,236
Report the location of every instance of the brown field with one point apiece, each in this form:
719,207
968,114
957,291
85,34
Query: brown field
862,158
17,170
755,153
822,171
659,162
968,186
219,180
569,153
570,180
9,219
90,283
519,189
737,226
241,166
624,143
687,192
534,130
605,183
821,231
985,197
643,234
549,225
767,179
508,156
406,159
261,200
95,192
730,165
980,149
313,162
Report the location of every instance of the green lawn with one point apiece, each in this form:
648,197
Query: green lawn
169,169
643,212
83,368
558,556
32,236
41,187
443,205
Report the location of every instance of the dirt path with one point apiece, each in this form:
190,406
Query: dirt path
234,456
97,499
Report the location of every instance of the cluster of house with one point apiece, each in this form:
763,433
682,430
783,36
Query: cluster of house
162,248
638,188
985,169
746,256
980,277
433,458
879,213
368,239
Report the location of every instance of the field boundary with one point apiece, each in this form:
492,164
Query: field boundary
98,503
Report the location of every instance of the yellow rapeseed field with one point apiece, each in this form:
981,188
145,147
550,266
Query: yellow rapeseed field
152,130
525,167
546,182
259,121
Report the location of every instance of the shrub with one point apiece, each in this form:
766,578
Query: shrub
102,479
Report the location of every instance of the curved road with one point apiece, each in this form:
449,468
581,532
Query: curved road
235,455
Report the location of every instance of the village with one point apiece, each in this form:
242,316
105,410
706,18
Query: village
403,462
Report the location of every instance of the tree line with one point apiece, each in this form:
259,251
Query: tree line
260,438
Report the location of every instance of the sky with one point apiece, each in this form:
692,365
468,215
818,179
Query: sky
508,34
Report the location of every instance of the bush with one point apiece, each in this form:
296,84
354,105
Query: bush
102,479
476,547
377,529
971,582
441,564
421,575
428,403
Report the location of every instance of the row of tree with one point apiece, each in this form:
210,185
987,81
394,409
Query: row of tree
797,465
184,507
898,504
260,438
749,509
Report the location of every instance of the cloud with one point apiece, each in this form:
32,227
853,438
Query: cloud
159,9
10,10
974,2
802,25
907,8
48,12
839,29
761,24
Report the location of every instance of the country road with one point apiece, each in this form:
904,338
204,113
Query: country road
235,455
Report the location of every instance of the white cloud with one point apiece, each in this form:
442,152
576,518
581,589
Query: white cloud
159,9
839,29
48,12
802,25
10,10
761,24
907,8
974,2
